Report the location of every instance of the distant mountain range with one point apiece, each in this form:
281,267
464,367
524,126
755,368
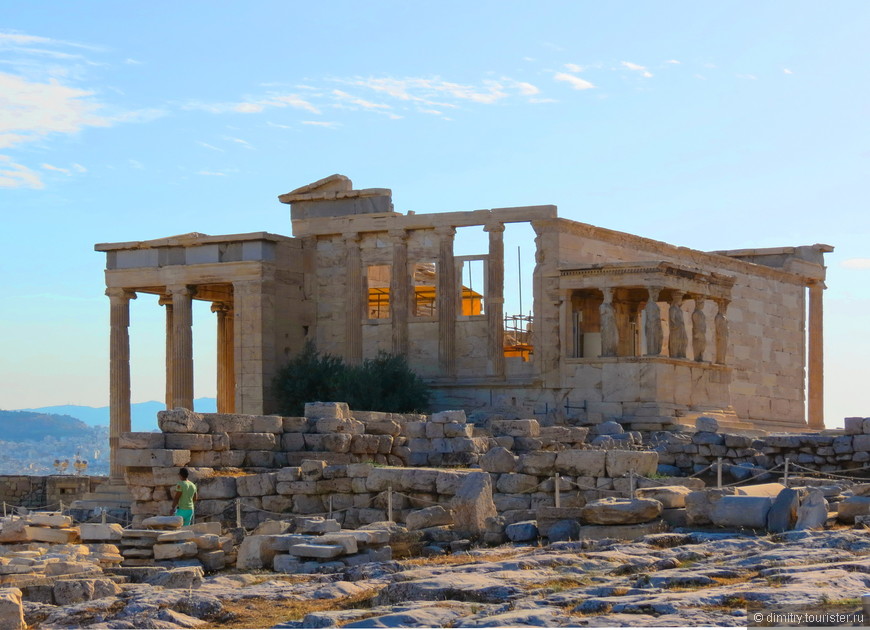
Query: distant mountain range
143,416
19,426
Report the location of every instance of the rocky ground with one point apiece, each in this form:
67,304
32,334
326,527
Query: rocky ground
668,579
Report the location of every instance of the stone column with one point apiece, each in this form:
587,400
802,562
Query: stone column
494,302
119,373
721,328
447,298
816,360
166,302
356,300
652,323
400,281
226,375
182,347
677,338
609,329
699,330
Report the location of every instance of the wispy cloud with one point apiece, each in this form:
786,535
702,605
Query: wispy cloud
255,105
856,263
212,173
244,143
361,102
51,167
575,82
637,68
321,123
209,146
674,61
573,67
135,164
787,71
13,175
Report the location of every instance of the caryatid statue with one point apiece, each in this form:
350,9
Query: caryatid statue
699,330
677,338
721,326
652,323
609,331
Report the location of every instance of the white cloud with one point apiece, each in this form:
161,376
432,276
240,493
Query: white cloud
787,71
856,263
344,96
58,169
132,62
573,67
271,124
321,123
248,108
673,61
437,92
526,89
254,106
14,175
209,146
212,173
244,143
576,82
751,77
637,68
79,168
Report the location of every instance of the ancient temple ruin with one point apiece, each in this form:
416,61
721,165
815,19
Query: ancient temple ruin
622,327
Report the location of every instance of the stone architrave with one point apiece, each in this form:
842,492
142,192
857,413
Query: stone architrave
119,372
721,326
609,329
699,330
652,324
677,338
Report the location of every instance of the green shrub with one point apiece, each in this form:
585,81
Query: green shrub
384,383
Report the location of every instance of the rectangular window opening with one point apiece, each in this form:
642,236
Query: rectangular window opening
473,285
378,280
425,281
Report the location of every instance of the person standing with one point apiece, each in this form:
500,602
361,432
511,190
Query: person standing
183,497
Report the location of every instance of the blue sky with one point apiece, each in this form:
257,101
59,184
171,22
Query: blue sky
709,125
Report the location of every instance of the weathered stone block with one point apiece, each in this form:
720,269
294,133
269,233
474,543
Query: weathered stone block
267,424
428,517
49,520
668,496
253,441
454,415
11,609
498,460
854,426
295,424
515,428
587,463
159,458
619,463
189,441
100,531
741,511
338,410
51,535
149,440
293,441
181,421
538,463
514,483
217,488
171,551
616,511
337,442
473,504
228,423
321,552
256,485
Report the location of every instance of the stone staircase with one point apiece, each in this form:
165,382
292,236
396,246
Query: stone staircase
111,497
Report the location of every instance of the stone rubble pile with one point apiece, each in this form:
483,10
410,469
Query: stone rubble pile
163,541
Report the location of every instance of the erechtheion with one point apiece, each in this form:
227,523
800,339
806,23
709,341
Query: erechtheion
622,326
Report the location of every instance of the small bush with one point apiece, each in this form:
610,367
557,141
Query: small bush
385,383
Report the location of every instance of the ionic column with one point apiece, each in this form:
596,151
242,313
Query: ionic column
494,302
678,340
721,329
609,329
447,298
652,323
166,302
182,347
699,330
400,281
226,376
816,364
119,373
355,300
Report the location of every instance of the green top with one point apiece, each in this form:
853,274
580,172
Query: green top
187,490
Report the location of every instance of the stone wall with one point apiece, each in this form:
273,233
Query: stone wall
40,491
744,456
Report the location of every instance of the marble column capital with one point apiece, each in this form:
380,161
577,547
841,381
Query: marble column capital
182,290
165,300
221,307
494,227
445,232
120,294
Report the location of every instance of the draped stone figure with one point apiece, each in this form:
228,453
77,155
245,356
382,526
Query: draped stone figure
699,330
609,330
652,324
720,323
677,339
